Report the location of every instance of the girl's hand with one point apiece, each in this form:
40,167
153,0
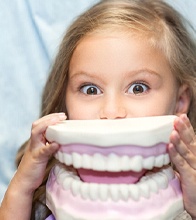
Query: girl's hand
32,167
182,150
19,195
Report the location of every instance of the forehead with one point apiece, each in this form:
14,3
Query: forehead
105,50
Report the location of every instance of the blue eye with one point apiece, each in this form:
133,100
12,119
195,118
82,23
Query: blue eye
90,90
138,88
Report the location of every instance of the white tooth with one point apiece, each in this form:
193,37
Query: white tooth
67,174
98,162
86,161
149,173
84,190
159,161
61,171
59,156
114,192
56,155
75,187
143,179
93,191
148,163
72,171
124,192
68,159
144,189
74,176
67,183
166,159
113,163
152,185
103,192
63,158
161,180
136,163
61,177
56,170
124,163
134,192
77,160
169,172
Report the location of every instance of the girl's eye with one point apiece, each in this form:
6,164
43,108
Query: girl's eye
90,90
138,88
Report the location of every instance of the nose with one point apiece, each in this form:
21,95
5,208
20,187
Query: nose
113,109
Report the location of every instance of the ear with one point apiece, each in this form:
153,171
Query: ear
183,100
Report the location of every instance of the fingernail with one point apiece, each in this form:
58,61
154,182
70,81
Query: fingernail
185,116
62,115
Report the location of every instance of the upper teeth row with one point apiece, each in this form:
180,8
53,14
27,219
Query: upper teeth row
112,162
150,183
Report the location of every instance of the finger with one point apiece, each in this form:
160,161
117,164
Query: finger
48,150
183,151
184,128
39,127
192,141
48,117
186,120
179,162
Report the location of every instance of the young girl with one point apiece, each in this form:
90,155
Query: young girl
120,59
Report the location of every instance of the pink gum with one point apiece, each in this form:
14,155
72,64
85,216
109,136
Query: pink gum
128,150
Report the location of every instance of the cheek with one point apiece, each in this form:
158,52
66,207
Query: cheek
154,105
78,110
74,111
166,105
171,102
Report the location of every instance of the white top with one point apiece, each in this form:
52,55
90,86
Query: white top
144,131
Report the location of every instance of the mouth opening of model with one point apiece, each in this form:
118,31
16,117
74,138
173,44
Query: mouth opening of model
129,171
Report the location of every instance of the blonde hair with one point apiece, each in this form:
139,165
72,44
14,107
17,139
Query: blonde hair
163,26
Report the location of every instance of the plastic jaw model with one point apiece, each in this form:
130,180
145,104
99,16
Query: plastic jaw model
113,170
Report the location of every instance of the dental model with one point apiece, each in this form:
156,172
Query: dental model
113,170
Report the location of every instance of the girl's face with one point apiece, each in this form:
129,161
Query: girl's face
120,76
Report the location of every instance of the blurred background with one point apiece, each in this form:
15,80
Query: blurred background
30,33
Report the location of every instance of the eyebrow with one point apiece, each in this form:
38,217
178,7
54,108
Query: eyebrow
145,71
81,73
86,74
126,74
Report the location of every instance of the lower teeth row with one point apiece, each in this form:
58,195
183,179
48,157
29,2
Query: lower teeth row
150,183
